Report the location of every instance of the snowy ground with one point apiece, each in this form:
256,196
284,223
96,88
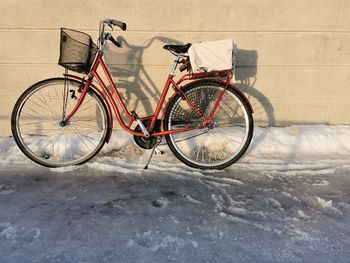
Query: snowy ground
287,200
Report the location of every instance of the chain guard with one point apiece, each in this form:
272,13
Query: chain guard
147,143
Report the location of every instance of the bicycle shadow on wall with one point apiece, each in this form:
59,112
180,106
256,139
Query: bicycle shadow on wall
127,69
246,72
246,77
130,75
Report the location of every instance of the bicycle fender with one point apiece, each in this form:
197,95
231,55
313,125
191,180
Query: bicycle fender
244,97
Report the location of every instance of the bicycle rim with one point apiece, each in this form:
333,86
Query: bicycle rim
38,130
219,145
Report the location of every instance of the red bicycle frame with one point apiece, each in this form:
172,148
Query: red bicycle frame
109,94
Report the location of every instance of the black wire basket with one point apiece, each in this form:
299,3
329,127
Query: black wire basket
77,51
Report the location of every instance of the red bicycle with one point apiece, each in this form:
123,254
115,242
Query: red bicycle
207,122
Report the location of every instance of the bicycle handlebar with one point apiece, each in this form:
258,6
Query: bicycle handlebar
104,37
112,22
120,24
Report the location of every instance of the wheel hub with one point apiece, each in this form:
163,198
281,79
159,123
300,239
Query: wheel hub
63,124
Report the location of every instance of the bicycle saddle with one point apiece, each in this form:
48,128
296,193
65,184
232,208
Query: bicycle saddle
178,48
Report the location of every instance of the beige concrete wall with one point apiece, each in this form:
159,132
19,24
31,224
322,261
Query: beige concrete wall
293,56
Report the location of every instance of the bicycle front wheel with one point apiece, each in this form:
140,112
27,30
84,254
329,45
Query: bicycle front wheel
220,144
37,123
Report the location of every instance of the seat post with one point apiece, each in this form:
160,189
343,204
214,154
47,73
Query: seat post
176,62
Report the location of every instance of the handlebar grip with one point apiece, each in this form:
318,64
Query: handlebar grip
122,25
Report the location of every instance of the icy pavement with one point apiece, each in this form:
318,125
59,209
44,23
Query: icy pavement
288,200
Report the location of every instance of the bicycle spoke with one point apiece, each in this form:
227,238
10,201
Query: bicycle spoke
191,137
43,151
47,108
84,136
88,138
86,106
42,120
32,123
84,126
70,148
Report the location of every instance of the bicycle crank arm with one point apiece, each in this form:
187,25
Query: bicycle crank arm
140,123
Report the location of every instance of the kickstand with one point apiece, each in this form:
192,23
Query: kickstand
153,150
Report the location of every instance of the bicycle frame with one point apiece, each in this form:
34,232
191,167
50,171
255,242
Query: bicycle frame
108,96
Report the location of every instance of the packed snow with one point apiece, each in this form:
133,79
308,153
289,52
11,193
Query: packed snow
286,200
318,145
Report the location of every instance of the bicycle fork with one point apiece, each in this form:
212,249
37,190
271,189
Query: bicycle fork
65,117
65,101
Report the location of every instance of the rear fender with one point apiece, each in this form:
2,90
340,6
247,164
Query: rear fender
230,86
244,97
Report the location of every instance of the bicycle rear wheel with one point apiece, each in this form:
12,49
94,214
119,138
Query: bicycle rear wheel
37,123
220,144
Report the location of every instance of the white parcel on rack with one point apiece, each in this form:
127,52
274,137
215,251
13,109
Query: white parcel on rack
212,55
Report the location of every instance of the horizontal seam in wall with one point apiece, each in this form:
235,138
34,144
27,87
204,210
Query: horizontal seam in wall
124,99
169,65
191,31
321,100
246,93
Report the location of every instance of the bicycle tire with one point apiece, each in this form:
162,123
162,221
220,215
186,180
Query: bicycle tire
38,131
215,147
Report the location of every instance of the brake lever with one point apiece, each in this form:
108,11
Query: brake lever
108,22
